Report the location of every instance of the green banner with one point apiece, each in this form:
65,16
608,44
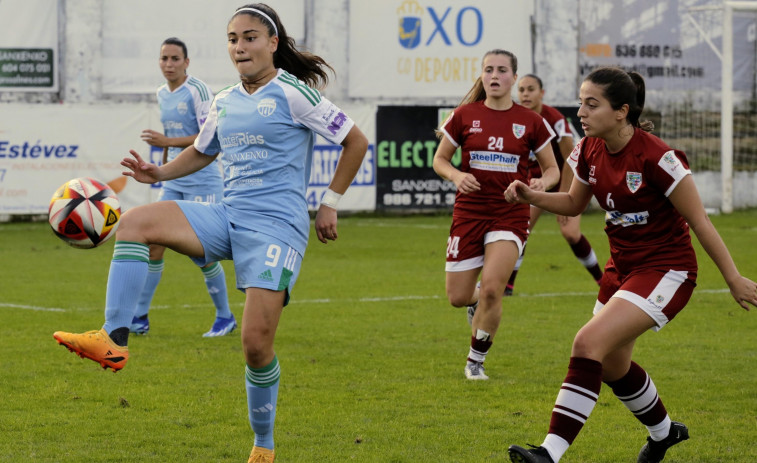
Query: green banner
26,67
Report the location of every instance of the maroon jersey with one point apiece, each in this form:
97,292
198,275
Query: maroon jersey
632,186
560,125
495,147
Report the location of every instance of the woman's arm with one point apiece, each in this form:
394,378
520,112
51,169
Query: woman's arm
571,203
188,161
465,182
355,145
550,175
685,198
154,138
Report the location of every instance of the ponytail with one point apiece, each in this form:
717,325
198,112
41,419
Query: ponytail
635,111
623,88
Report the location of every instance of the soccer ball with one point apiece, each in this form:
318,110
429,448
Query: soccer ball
84,212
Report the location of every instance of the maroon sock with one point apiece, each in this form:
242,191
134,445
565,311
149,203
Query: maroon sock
478,349
582,250
577,397
638,393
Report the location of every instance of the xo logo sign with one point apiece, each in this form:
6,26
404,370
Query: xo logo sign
410,21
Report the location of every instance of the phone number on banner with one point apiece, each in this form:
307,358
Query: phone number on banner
419,199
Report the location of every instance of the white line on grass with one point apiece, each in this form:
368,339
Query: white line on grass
362,299
32,307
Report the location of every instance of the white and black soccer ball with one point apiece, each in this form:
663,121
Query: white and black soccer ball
84,212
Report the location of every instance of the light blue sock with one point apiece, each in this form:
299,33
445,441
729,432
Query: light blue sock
128,272
154,272
215,280
262,386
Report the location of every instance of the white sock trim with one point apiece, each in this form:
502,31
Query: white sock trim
660,431
556,446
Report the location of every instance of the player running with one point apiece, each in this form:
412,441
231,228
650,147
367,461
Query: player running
487,234
651,201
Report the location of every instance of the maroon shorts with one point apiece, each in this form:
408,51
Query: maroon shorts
659,293
468,237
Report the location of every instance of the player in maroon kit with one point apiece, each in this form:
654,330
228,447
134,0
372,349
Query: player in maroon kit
530,95
651,202
487,233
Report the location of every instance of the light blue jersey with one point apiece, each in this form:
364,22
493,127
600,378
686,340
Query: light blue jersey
266,140
182,113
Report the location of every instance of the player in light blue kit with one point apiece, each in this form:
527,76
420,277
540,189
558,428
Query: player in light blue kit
184,104
263,129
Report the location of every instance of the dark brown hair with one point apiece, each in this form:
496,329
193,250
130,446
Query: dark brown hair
306,66
178,43
623,88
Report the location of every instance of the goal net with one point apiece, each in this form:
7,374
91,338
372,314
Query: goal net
715,121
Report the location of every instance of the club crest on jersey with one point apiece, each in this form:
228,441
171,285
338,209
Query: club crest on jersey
266,107
519,130
633,180
182,108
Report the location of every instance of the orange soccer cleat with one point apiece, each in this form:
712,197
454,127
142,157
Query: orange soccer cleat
95,345
261,455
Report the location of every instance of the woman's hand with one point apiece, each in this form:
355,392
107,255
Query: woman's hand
154,138
744,291
536,184
325,224
140,170
518,192
466,183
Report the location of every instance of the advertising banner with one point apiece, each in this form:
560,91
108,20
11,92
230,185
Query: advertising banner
423,48
405,147
29,46
130,49
43,146
671,44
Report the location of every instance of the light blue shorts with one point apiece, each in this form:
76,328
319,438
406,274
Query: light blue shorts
167,194
260,260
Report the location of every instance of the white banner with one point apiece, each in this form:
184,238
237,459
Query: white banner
29,45
133,31
428,48
43,146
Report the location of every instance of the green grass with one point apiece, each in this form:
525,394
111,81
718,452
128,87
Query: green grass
371,353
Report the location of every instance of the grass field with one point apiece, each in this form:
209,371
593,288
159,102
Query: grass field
372,357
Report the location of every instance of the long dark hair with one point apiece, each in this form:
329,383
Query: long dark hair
621,87
306,66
